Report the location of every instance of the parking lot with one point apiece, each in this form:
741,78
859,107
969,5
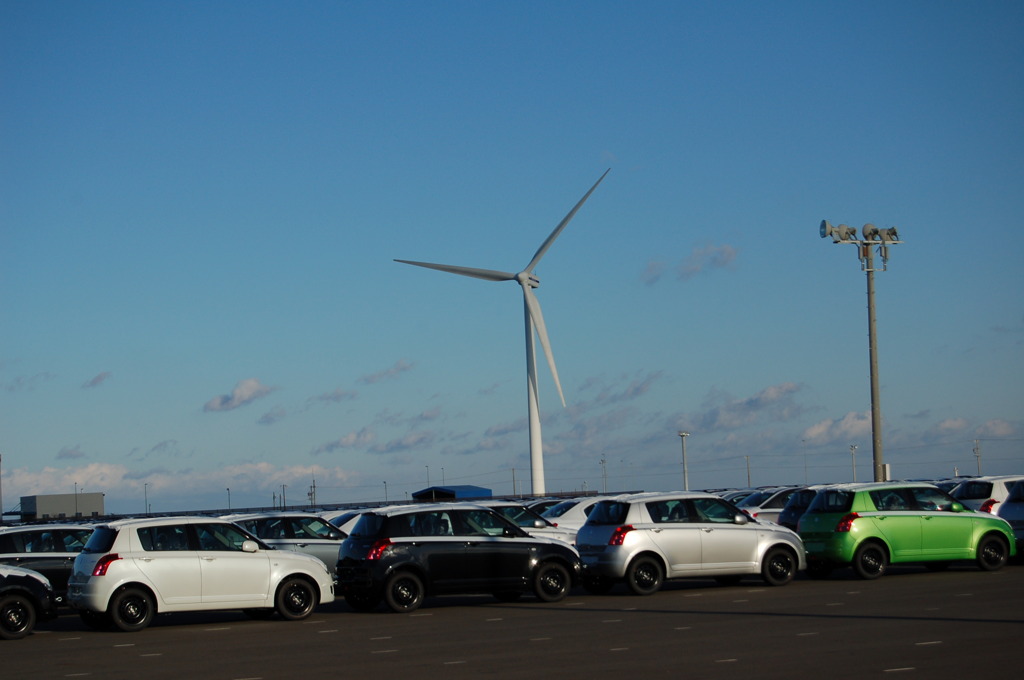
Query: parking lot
912,623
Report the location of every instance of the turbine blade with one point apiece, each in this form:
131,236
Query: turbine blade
486,274
561,225
533,304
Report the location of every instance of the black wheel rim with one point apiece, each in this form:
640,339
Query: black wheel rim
552,582
780,568
15,617
298,599
405,592
134,609
872,561
992,553
646,576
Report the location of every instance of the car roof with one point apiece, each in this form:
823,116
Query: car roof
44,527
422,507
660,496
158,521
269,515
872,486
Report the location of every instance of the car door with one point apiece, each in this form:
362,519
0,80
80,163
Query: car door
899,521
169,563
497,553
230,574
944,534
435,546
726,546
675,529
315,537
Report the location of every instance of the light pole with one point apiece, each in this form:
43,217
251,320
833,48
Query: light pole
229,498
385,492
872,237
145,497
853,455
686,472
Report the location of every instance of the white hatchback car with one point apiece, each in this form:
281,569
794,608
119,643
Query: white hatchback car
985,494
131,570
644,538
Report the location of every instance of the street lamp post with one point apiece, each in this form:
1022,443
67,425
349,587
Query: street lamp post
229,497
385,492
872,237
686,472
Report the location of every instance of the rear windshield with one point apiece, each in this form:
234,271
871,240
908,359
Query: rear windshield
367,525
832,500
801,499
608,512
101,541
973,491
560,509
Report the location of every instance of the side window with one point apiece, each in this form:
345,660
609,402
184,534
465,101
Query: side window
889,500
667,511
434,524
932,500
75,539
307,527
220,537
479,523
172,537
713,510
269,528
41,541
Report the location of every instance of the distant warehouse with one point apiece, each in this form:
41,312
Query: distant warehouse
61,506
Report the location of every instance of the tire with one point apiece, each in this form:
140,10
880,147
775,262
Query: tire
598,585
870,561
131,610
296,599
17,616
644,576
778,567
551,582
993,553
362,601
403,592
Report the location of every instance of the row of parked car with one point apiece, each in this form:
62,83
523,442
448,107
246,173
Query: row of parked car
120,574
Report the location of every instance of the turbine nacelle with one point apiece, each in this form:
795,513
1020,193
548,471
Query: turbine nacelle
528,279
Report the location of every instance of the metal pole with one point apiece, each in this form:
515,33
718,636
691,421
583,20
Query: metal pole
686,472
876,401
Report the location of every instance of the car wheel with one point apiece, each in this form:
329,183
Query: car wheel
17,616
644,576
362,601
870,561
94,620
403,592
551,582
131,610
296,599
778,567
598,585
993,552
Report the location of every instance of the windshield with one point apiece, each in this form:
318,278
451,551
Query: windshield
832,500
973,491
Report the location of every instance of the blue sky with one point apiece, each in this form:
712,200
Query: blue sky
200,204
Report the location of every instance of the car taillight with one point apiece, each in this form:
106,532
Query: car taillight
378,548
846,523
987,505
101,567
620,534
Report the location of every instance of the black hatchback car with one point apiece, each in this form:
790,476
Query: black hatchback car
26,598
404,554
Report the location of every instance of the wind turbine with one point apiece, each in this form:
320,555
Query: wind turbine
534,323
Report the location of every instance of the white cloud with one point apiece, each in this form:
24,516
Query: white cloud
245,391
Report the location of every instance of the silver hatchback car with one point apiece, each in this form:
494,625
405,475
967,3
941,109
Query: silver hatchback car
643,539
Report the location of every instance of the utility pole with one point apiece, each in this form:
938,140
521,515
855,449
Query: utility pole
686,472
977,454
853,454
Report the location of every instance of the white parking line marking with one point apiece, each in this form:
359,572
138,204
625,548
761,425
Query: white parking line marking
453,663
66,639
421,614
221,628
152,654
899,670
127,644
930,642
384,651
726,660
619,649
805,634
497,619
682,628
330,630
574,604
738,601
383,637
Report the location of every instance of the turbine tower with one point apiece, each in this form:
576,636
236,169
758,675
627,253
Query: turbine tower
534,323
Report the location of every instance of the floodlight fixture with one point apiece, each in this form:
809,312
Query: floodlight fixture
882,239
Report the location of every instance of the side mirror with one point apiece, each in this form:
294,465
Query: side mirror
250,546
957,507
741,518
540,524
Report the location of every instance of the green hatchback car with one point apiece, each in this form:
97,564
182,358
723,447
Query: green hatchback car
871,525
